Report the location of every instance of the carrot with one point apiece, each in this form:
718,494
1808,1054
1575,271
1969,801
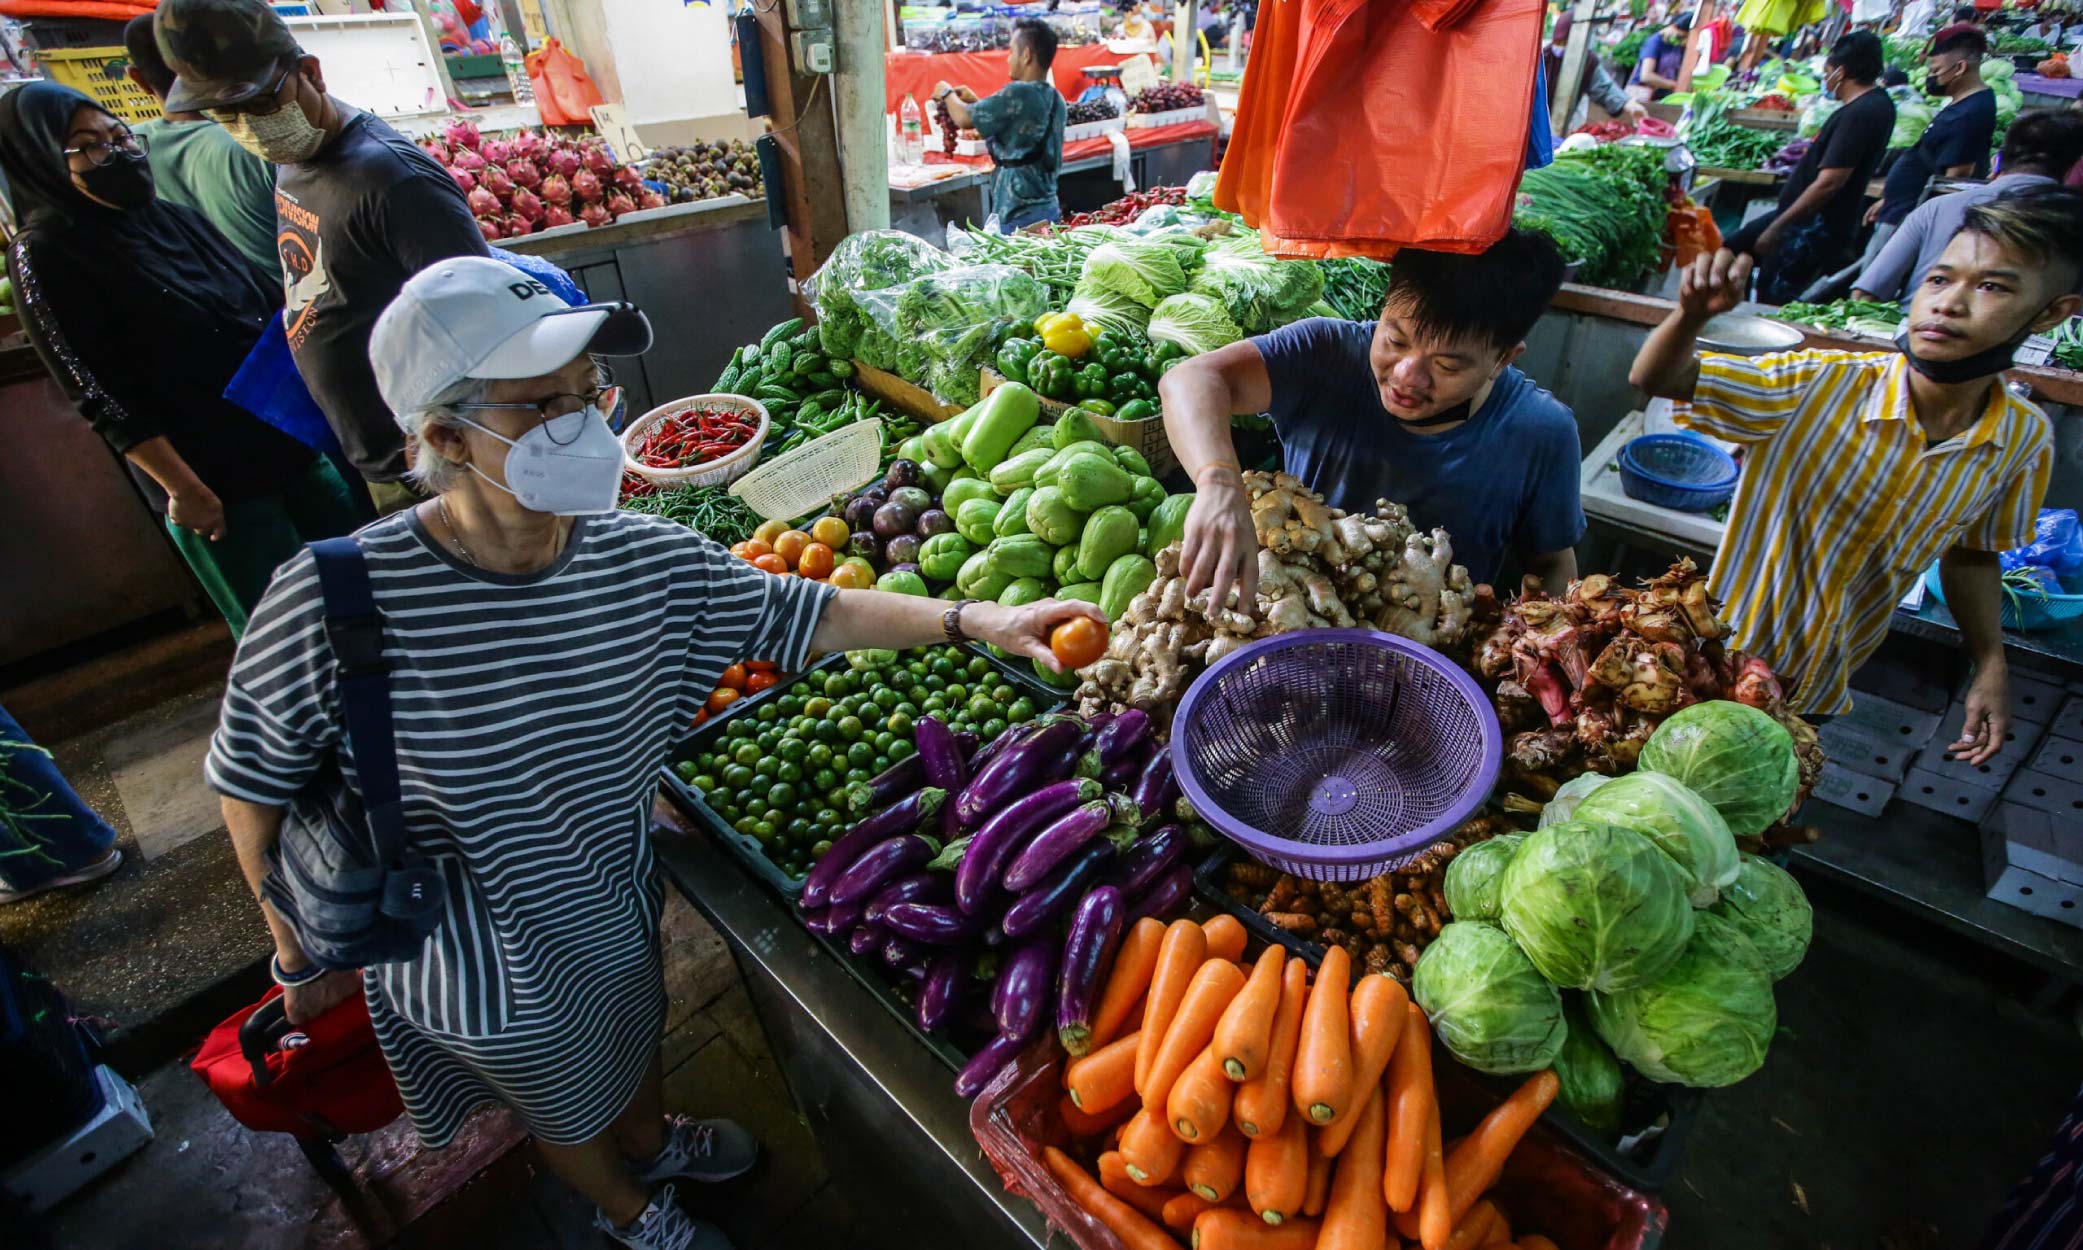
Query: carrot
1105,1077
1357,1216
1475,1232
1192,1028
1318,1191
1122,1220
1184,949
1276,1172
1225,934
1082,1124
1134,960
1435,1203
1479,1157
1410,1106
1378,1010
1114,1178
1227,1228
1215,1169
1534,1241
1261,1103
1322,1083
1246,1029
1183,1208
1150,1149
1198,1108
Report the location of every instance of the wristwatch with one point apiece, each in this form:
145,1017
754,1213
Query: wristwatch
951,622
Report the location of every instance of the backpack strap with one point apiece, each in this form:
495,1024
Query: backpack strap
355,630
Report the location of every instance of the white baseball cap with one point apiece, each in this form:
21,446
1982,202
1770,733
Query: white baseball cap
476,317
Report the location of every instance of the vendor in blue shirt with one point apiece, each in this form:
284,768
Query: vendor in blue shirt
1422,407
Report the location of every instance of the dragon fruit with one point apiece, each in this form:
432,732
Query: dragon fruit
555,189
527,204
563,161
464,179
627,178
556,215
585,184
598,160
620,203
530,144
495,178
524,172
483,203
438,150
467,160
490,228
460,134
595,214
513,225
497,151
650,199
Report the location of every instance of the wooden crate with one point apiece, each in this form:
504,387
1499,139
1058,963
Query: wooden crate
904,396
1146,436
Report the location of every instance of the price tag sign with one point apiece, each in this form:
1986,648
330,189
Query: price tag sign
2037,350
613,124
1139,73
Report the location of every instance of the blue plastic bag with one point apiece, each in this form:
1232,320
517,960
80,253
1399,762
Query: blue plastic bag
1540,139
269,386
545,272
2057,546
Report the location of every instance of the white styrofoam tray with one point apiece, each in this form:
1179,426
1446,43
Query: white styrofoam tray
1170,117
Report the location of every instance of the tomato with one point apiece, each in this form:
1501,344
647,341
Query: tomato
734,677
761,681
720,698
789,546
816,561
1078,642
744,551
772,563
761,666
701,718
753,549
831,531
768,531
852,576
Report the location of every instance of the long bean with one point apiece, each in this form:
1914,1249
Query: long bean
710,510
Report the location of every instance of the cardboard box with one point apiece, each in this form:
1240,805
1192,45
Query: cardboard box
2046,792
1946,794
2019,742
1852,791
1892,720
1862,751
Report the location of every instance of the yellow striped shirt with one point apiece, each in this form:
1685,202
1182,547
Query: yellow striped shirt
1843,503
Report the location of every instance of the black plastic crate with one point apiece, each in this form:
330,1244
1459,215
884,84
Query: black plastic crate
880,982
1021,674
1646,1164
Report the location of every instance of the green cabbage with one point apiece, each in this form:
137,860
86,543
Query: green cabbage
1767,905
1733,756
1564,805
1146,272
1259,292
1197,323
1593,1088
1488,1005
1596,906
1682,824
1705,1023
1473,877
1998,69
1912,115
1813,117
1102,308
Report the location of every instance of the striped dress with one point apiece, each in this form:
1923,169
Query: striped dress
1843,502
532,715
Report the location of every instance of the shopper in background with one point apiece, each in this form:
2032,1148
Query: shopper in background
2040,148
1662,58
1596,84
1955,144
358,208
1422,406
1863,468
197,165
143,312
1022,125
546,650
49,837
1818,214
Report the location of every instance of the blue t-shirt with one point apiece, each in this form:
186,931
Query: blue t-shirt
1502,484
1959,134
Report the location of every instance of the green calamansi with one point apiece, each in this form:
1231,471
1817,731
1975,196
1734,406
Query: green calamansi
1168,522
975,519
1128,576
1051,518
1109,534
1089,481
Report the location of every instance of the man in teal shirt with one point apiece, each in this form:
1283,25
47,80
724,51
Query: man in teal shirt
1022,125
197,164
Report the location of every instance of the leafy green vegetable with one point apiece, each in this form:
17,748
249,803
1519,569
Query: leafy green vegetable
1767,905
1596,906
1706,1022
1104,309
1733,756
1604,208
1259,292
1682,824
1145,272
1198,323
1572,792
948,324
1473,877
1592,1085
1718,142
1355,287
1839,314
872,260
1487,1003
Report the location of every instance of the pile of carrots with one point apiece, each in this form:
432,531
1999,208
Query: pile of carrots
1245,1108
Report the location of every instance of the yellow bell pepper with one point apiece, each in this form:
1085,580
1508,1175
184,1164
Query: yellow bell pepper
1066,336
1043,322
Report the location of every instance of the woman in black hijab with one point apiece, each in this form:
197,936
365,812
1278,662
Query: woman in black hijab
143,312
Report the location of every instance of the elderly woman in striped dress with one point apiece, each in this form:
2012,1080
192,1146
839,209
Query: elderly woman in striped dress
545,652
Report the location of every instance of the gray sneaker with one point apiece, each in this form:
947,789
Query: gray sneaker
701,1150
664,1226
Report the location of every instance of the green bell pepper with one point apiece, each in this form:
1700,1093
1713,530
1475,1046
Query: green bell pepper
1015,356
1136,410
1090,382
1128,385
1051,375
1116,352
1102,407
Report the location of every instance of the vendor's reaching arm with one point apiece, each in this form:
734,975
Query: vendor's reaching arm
1200,395
1556,569
1973,584
960,102
1667,366
878,618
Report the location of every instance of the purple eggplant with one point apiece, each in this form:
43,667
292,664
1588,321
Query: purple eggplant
1015,771
865,939
887,786
1095,930
899,951
878,866
835,921
991,750
1093,724
1122,773
1007,831
1157,787
1123,810
933,924
1164,896
859,513
899,817
938,755
1142,864
925,887
1057,891
1055,844
986,1064
966,741
946,978
1021,999
1114,740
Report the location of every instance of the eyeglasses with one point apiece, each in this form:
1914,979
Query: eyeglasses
101,153
605,395
260,104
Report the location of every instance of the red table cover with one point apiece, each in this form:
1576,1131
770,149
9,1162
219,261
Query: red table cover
915,73
1083,148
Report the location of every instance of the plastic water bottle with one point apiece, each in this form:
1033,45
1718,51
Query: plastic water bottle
516,67
911,124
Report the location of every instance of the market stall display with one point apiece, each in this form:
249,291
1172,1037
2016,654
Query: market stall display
1604,207
705,169
1872,318
536,180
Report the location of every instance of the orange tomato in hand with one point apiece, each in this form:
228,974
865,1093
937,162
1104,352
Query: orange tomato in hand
720,698
768,531
816,561
852,576
1078,642
734,677
831,531
789,546
772,563
761,681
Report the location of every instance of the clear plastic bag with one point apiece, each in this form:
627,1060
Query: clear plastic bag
941,327
870,261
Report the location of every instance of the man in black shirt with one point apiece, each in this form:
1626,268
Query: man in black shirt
1956,143
1819,205
358,207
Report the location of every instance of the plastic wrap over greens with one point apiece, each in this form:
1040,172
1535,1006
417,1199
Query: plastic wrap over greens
869,261
1487,1003
1767,905
1572,792
1259,292
1813,117
946,324
1474,875
1593,1088
1732,755
1682,824
1706,1022
1198,323
1144,270
1596,907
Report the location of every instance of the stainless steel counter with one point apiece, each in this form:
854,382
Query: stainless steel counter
883,1107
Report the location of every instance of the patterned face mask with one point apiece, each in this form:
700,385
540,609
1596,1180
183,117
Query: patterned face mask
283,137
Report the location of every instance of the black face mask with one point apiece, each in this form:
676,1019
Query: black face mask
125,182
1459,412
1980,365
1932,86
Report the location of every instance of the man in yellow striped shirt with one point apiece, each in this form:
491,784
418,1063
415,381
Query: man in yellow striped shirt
1861,468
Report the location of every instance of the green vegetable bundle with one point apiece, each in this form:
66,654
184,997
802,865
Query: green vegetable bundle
1146,272
946,325
709,510
1863,316
1718,142
1355,287
872,260
1198,323
1603,207
1259,292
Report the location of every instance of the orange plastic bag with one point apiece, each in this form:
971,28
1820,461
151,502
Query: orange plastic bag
564,91
1245,184
1690,232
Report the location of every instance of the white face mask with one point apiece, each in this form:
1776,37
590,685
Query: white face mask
283,137
579,471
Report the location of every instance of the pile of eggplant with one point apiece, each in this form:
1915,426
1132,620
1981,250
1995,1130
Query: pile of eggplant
1016,865
893,516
